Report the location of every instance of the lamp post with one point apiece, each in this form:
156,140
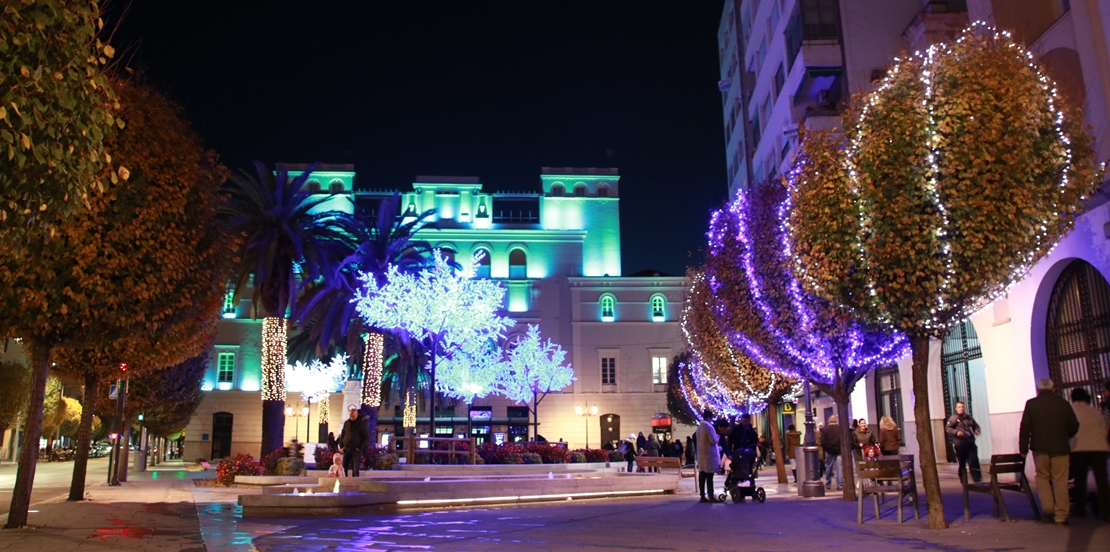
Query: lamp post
289,412
307,412
812,487
583,411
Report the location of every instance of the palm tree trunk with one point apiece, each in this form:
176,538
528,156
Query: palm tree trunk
373,354
84,436
29,453
273,384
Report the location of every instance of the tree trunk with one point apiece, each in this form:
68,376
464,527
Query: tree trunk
84,437
847,459
926,451
432,389
371,414
273,398
776,440
372,381
535,418
29,452
125,452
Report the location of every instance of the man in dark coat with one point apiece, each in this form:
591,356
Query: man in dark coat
830,442
1046,425
963,429
353,439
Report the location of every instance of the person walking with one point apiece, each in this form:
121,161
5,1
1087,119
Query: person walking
863,438
690,449
354,437
676,449
1047,424
830,442
653,449
628,448
963,429
793,441
709,456
641,443
1088,451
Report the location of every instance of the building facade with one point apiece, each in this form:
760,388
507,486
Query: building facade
557,253
1054,323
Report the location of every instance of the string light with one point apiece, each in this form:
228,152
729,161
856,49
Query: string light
534,368
323,409
408,420
372,358
317,380
273,358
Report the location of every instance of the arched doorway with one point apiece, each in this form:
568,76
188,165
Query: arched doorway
221,434
964,380
610,428
1077,337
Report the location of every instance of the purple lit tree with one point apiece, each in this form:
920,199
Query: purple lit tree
765,312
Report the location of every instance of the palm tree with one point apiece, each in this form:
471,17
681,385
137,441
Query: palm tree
285,242
329,316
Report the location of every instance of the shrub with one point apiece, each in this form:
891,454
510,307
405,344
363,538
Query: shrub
616,456
289,466
551,454
509,453
594,455
370,455
270,461
531,458
323,457
577,457
385,461
240,464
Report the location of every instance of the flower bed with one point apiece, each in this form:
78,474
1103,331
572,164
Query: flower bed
548,453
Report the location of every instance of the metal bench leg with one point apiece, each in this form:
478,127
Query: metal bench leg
967,504
877,514
1029,493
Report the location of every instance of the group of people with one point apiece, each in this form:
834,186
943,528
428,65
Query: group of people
639,445
347,449
864,442
714,440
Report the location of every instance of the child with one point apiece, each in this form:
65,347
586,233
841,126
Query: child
336,469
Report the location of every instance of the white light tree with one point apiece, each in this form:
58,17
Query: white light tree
432,306
535,368
316,381
473,370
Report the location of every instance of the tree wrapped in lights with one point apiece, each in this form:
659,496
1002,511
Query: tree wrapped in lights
723,378
535,368
316,382
473,370
957,174
765,312
432,306
677,404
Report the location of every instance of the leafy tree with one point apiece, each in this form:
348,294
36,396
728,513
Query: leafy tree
53,411
535,369
434,307
473,370
167,397
72,420
15,379
957,174
56,106
285,240
763,309
727,380
677,404
169,290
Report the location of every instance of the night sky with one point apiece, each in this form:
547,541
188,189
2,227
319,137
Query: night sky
468,88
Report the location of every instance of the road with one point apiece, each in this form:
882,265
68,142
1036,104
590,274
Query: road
51,480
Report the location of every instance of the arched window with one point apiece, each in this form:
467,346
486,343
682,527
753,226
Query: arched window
518,264
336,187
608,307
557,190
1078,333
960,347
658,308
482,270
580,190
312,187
603,191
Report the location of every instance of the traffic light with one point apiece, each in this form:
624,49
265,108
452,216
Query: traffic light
140,417
123,367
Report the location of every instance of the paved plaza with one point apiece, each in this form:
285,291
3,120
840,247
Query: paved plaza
164,510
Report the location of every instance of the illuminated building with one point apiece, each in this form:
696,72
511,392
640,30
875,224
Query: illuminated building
557,253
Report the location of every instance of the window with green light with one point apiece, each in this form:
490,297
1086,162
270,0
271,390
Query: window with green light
225,368
608,306
229,302
658,308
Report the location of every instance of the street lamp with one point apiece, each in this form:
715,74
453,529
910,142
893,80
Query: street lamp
307,412
812,486
296,428
583,411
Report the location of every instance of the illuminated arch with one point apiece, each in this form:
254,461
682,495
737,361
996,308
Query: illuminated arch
607,305
658,308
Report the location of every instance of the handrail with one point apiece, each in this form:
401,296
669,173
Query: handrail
410,448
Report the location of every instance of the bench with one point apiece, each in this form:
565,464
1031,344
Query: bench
646,462
1001,463
877,477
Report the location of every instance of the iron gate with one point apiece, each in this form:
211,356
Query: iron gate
959,348
1078,333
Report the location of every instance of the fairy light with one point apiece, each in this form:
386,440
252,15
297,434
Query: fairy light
273,358
408,420
323,410
374,346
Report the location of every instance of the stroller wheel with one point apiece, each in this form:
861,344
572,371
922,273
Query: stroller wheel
760,495
737,495
721,497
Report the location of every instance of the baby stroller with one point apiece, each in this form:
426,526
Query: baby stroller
742,470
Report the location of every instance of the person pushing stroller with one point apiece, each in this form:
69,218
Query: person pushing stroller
742,448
